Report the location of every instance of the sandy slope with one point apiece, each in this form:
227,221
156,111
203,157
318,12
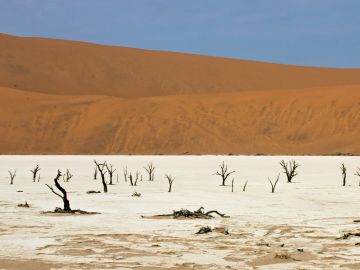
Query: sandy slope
312,121
180,103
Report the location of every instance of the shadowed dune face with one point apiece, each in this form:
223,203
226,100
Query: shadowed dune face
64,97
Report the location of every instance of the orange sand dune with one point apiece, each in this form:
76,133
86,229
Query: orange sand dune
310,121
65,97
75,68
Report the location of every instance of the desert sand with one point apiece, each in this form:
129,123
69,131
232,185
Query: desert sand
300,226
67,97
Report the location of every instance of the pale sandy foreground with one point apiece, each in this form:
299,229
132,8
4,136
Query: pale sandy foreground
266,230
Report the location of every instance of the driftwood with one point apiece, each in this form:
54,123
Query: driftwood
58,210
208,229
25,205
204,230
93,191
347,235
136,194
187,214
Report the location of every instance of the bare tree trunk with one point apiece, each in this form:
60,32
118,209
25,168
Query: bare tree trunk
101,167
289,169
343,171
150,170
35,171
62,190
232,185
170,180
12,176
224,174
273,185
110,171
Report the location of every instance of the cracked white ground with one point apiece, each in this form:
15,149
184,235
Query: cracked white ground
266,230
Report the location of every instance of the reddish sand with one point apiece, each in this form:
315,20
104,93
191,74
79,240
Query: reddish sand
65,97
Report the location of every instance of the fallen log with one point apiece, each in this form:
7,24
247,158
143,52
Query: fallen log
187,214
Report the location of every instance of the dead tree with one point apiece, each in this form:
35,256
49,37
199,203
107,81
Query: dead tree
232,185
273,185
95,173
357,172
12,176
38,179
170,180
244,187
289,169
224,174
101,169
110,171
68,176
125,173
62,190
343,172
150,170
133,181
34,172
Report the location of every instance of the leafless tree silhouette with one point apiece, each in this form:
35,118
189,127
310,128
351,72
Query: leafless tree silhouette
125,172
289,169
62,190
150,170
170,180
134,180
273,185
12,176
110,171
34,172
101,168
224,174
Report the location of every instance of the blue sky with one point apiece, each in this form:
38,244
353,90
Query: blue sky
301,32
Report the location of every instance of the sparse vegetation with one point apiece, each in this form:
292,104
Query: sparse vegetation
223,173
289,169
